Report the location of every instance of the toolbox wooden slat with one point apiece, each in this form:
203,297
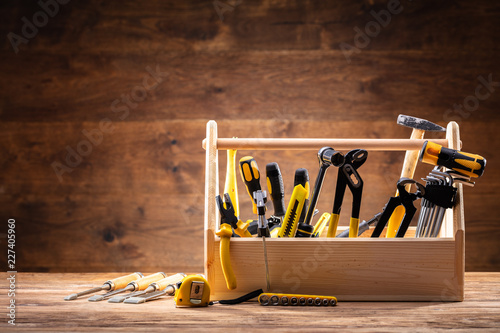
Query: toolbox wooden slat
359,269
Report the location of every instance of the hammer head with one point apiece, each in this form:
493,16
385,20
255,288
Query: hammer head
418,123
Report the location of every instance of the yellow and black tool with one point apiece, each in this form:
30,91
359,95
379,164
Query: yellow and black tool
326,156
225,233
321,224
191,291
231,186
296,299
293,212
276,189
139,284
110,285
251,177
348,176
470,165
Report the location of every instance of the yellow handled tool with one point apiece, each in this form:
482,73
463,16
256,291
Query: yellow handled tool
109,285
231,186
139,284
321,224
155,286
251,177
470,165
419,127
225,233
295,206
193,291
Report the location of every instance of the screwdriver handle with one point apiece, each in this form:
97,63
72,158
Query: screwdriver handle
251,177
122,281
471,165
163,283
302,178
144,282
276,188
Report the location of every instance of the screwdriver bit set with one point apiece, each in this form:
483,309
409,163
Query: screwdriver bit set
289,252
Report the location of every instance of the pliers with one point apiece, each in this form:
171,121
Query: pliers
406,200
229,221
348,176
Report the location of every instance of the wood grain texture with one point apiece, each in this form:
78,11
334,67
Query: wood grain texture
41,308
270,69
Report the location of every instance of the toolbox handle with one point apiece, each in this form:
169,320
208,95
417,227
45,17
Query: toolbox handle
315,144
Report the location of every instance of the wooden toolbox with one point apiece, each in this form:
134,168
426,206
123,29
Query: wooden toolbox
351,269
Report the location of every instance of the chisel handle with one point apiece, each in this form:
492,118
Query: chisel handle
471,165
251,177
144,282
276,188
122,281
172,279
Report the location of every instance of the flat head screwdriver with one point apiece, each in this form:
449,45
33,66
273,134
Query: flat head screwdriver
155,286
139,284
110,285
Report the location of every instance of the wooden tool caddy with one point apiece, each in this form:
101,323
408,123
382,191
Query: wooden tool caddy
351,269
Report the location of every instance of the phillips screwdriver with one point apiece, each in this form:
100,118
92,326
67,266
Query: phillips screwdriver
155,286
276,189
471,165
139,284
110,285
251,177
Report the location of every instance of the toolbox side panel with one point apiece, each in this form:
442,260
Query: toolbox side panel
360,269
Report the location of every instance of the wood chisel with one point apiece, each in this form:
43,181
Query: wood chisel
155,286
110,285
139,284
295,207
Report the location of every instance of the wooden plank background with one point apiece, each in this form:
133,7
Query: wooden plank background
268,69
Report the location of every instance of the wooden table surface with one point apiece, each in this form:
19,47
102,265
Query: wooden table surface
40,307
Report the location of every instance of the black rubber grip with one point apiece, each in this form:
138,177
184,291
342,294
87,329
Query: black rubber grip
302,178
276,188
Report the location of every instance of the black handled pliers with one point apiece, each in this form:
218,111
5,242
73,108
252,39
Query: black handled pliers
406,199
348,176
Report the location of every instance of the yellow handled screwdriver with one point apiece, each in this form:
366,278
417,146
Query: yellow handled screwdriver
155,286
139,284
109,285
470,165
251,177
